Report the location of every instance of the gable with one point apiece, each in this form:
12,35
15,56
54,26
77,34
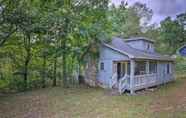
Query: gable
107,53
141,45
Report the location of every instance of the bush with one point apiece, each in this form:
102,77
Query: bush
3,84
34,83
181,65
17,84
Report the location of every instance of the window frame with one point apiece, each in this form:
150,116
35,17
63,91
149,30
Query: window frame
128,68
148,46
102,66
142,71
153,64
168,67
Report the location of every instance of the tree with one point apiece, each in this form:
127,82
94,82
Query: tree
172,34
8,20
125,21
95,28
61,35
182,21
143,12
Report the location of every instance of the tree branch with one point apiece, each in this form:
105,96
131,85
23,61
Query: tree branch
5,38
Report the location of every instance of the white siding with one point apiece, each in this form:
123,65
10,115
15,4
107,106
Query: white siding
107,56
142,45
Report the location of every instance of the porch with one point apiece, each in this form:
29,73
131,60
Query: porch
138,74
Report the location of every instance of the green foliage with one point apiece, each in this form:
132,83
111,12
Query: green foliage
129,21
4,83
49,38
44,42
125,21
181,65
172,34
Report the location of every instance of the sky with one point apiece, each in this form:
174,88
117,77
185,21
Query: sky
161,8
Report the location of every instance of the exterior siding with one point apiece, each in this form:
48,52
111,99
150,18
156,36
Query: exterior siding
107,56
136,44
141,45
105,75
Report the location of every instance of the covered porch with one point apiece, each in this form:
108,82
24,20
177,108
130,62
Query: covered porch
133,75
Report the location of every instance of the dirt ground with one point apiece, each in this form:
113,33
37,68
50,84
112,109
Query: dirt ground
167,101
173,101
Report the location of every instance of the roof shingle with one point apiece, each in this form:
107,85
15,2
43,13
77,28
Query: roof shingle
121,46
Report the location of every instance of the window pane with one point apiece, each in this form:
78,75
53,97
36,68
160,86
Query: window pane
168,69
152,67
148,46
140,68
102,66
123,69
128,68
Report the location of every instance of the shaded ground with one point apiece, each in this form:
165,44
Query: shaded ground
167,101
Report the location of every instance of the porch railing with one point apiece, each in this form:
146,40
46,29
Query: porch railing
143,80
123,84
113,81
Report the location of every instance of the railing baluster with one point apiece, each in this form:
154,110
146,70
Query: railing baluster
123,84
141,80
113,80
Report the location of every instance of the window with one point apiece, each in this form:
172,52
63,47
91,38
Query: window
148,46
128,68
152,67
102,66
123,69
140,68
168,68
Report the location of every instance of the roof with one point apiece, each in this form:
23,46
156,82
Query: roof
122,47
139,38
182,51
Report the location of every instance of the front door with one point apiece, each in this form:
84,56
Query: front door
121,70
118,71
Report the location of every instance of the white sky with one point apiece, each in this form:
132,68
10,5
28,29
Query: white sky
161,8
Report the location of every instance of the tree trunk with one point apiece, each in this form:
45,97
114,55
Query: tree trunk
26,74
91,72
64,70
27,44
55,72
64,61
44,72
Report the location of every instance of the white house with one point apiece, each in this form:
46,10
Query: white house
133,64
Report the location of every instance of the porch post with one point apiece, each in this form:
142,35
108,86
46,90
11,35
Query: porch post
132,70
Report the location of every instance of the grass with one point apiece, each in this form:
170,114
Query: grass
165,102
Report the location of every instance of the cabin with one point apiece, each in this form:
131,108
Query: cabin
133,64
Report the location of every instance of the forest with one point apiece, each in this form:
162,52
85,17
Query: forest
47,43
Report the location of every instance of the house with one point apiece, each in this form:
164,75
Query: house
133,64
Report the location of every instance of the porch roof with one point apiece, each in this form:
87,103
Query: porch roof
120,46
139,38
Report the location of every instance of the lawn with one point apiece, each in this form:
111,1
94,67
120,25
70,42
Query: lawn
167,101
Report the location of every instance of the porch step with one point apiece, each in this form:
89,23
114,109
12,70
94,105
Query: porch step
147,90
